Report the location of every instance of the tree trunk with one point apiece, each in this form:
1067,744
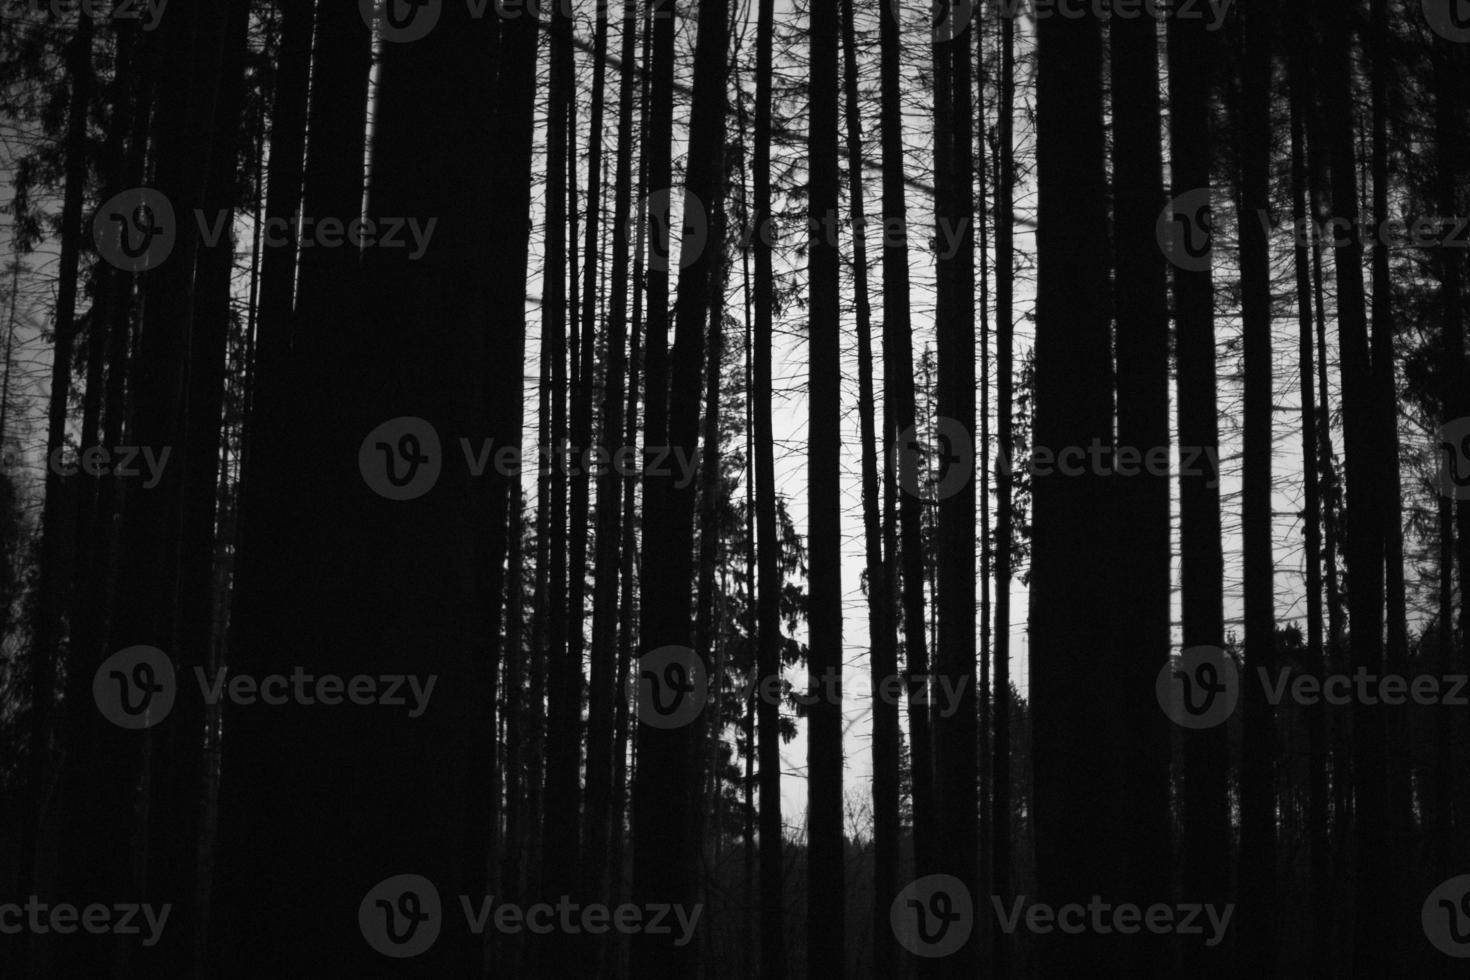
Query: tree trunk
600,760
1000,820
1321,905
1364,545
388,586
665,787
768,555
563,673
55,578
1073,701
898,381
882,657
1257,876
1142,621
956,742
1206,814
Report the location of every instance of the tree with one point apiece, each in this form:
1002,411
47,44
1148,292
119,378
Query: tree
665,787
1206,814
768,652
882,657
1142,620
826,953
1072,685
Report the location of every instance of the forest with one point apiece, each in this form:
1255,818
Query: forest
734,488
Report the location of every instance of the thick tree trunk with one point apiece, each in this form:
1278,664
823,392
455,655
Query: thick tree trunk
665,787
389,587
956,741
1073,702
56,578
1142,618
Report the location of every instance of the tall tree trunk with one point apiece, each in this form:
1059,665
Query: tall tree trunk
389,586
1364,545
581,414
55,576
262,479
92,747
768,555
1321,905
1386,416
956,742
898,382
1257,878
1000,820
710,723
882,657
826,953
514,125
1206,814
665,787
180,872
153,537
1072,700
1142,619
605,657
563,673
1449,65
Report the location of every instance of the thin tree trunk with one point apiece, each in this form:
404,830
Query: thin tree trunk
768,554
560,816
1206,814
826,953
1257,876
1364,546
605,656
1318,843
1000,820
882,657
898,381
1386,416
